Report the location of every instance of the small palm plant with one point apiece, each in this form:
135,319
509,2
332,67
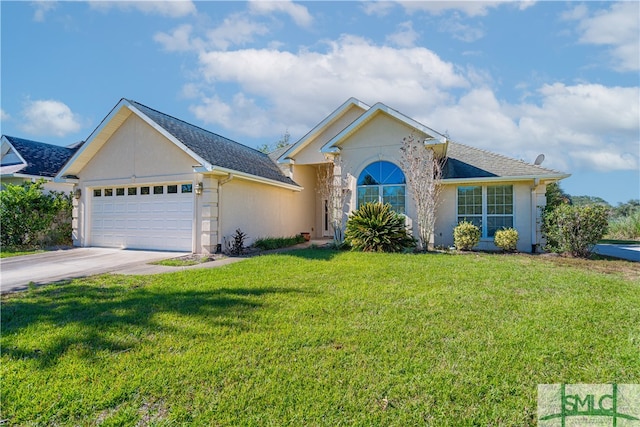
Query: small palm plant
375,227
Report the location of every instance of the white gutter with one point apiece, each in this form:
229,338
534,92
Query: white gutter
505,178
249,177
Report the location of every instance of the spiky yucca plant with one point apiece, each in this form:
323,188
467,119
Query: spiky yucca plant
375,227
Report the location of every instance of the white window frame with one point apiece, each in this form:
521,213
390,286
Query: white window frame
485,215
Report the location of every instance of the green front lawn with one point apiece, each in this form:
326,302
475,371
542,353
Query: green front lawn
316,337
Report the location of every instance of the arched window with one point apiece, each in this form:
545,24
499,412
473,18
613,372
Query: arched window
382,182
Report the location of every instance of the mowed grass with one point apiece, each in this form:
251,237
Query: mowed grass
317,337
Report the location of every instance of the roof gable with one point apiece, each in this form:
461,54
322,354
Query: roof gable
217,150
332,145
321,127
37,158
211,151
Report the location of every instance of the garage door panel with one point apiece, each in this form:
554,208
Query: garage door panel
143,221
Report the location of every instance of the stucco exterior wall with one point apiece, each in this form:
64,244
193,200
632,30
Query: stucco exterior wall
261,210
379,139
524,211
311,153
135,154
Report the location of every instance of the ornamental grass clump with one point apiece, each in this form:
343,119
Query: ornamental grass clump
506,239
465,236
375,227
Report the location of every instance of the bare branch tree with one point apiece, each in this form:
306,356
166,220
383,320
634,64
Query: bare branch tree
423,170
333,186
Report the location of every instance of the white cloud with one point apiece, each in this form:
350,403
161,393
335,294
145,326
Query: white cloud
406,36
301,87
463,32
41,9
178,40
378,8
617,28
49,118
4,116
235,30
172,9
469,8
581,127
300,14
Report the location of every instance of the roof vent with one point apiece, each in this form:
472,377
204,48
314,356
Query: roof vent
539,160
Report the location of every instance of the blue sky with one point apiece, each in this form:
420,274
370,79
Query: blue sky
517,78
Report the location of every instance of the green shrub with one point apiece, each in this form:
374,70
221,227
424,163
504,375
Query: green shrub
29,218
506,239
465,236
377,228
576,229
267,243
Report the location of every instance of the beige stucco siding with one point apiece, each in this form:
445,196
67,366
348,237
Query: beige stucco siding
135,154
311,153
261,210
522,209
378,139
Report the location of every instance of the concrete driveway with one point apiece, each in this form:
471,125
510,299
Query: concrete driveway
628,252
17,272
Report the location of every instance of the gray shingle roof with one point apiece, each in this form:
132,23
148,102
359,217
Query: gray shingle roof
42,159
464,161
216,149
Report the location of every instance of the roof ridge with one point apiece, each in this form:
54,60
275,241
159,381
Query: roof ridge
503,156
195,126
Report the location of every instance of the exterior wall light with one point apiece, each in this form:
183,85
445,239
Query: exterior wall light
199,188
77,193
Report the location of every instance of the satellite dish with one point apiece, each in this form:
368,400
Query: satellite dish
539,160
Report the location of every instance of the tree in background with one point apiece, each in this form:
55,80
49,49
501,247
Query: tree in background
423,171
281,143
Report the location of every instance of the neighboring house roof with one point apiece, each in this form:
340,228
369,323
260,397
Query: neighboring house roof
213,151
465,162
34,158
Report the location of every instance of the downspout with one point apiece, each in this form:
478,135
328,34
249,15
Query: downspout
534,215
220,184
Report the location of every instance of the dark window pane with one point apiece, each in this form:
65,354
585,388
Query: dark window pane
381,173
172,189
187,188
119,191
158,189
132,191
108,192
97,192
144,190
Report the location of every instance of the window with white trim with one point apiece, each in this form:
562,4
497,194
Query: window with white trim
489,207
382,182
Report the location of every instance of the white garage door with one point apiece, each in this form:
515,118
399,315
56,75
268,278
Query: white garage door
142,217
